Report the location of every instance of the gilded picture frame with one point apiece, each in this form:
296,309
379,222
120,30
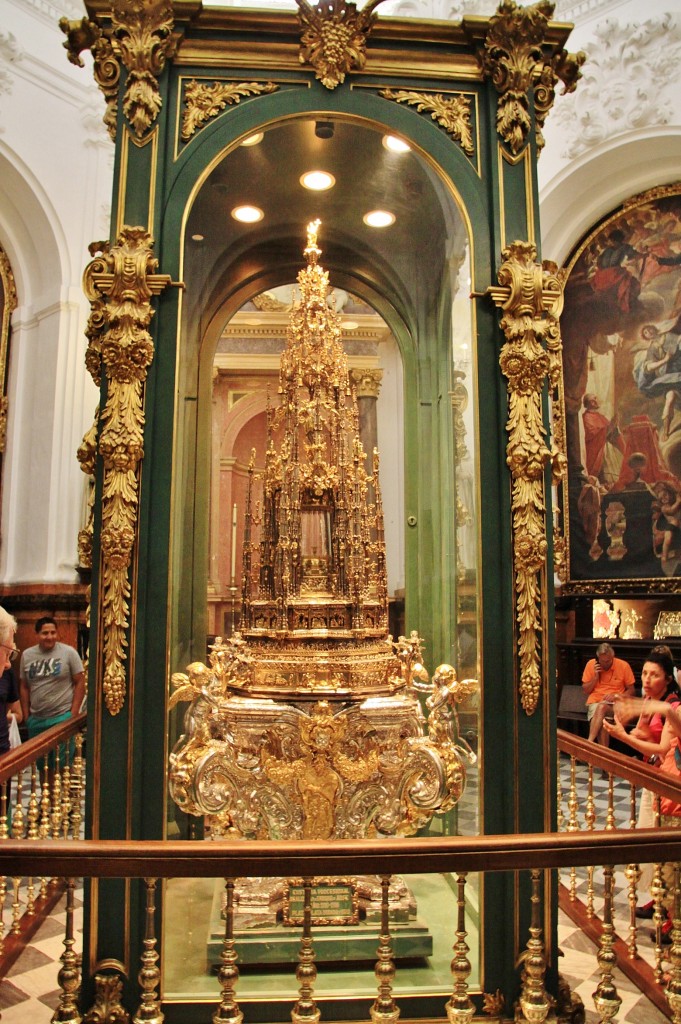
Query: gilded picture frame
621,390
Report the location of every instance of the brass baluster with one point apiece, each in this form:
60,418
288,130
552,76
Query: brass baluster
632,805
573,823
45,804
228,1011
4,827
66,794
534,1002
56,797
460,1009
69,972
18,810
590,820
606,997
306,1009
32,816
560,817
16,907
610,814
674,983
658,891
632,873
149,977
77,776
3,896
385,1008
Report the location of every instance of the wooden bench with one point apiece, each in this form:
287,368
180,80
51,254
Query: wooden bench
572,710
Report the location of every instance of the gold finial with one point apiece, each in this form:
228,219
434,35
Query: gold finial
312,250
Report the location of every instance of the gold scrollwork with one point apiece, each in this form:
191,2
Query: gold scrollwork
563,67
531,297
107,1005
143,33
453,113
87,35
120,283
334,38
511,54
204,101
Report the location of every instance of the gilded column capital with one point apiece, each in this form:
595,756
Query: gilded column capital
334,38
367,383
120,282
531,297
563,67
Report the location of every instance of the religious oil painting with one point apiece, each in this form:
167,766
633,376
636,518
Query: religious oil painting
622,397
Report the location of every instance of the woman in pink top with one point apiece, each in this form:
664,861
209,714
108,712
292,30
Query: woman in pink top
652,737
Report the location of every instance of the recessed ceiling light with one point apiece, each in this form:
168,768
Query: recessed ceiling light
253,140
247,214
350,325
197,238
379,219
317,181
395,145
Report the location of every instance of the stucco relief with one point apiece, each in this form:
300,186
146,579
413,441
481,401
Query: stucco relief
629,81
9,51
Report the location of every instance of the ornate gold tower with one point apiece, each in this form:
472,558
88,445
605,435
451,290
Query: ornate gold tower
307,724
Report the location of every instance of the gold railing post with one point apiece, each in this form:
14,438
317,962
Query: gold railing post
534,1003
385,1010
17,830
77,782
573,823
228,1011
305,1009
460,1009
149,1010
632,873
657,891
606,998
674,984
4,828
69,972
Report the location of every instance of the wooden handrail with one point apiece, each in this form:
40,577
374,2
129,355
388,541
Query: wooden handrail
240,859
624,767
24,756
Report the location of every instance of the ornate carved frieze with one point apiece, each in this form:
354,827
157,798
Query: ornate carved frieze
87,35
334,38
531,297
631,81
203,101
453,113
120,283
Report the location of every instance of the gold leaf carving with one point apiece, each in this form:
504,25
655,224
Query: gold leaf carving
120,283
511,53
531,296
8,303
143,37
87,35
204,101
564,67
452,113
334,38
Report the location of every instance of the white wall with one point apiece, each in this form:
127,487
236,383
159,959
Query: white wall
55,183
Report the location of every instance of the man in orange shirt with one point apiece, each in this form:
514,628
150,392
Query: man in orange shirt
605,678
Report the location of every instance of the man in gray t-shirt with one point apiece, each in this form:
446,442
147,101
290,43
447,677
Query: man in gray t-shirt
52,681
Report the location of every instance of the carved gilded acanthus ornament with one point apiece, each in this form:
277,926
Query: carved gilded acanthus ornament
514,60
8,303
87,35
531,297
334,38
120,283
453,113
203,101
142,39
